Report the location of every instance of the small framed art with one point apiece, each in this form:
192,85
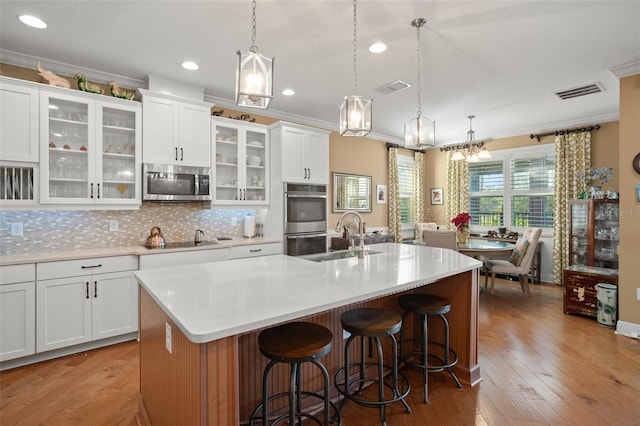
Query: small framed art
381,194
437,196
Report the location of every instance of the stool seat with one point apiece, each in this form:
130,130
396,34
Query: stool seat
371,322
295,342
421,303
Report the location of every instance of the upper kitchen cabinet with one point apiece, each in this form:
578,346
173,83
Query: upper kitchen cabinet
18,120
241,157
302,152
90,149
175,130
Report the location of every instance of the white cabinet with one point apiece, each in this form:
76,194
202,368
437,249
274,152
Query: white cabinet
303,153
18,121
90,149
241,161
17,311
175,130
190,257
83,300
255,250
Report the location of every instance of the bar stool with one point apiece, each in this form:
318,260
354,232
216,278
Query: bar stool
295,343
425,305
373,323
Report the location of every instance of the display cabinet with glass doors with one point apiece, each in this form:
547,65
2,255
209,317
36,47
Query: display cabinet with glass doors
594,233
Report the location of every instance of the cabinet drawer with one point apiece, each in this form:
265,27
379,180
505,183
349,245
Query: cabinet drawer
163,260
239,252
98,265
11,274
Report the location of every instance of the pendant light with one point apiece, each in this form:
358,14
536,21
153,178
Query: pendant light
470,151
355,111
254,76
419,132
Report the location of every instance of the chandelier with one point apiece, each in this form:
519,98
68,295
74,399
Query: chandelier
470,151
355,111
254,77
419,132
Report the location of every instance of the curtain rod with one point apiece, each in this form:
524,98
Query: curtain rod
394,145
565,131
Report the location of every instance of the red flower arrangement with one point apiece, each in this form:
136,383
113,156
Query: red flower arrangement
461,221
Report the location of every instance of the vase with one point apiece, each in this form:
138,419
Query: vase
463,235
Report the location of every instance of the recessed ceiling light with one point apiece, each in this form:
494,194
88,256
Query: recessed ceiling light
32,21
377,47
288,92
189,65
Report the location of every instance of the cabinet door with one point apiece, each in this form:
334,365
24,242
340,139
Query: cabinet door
194,146
67,149
606,234
19,118
316,158
17,320
114,304
579,244
160,130
227,151
293,167
118,162
63,312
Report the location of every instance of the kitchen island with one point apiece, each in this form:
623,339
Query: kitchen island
199,360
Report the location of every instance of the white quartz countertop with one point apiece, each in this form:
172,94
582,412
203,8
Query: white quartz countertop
210,301
135,250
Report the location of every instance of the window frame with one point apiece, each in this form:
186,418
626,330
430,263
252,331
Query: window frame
410,161
507,156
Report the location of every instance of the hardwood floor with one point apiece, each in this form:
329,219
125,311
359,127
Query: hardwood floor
538,365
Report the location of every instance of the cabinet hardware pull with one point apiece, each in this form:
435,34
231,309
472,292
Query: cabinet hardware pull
176,149
98,191
95,289
91,266
255,250
181,154
87,286
309,174
91,190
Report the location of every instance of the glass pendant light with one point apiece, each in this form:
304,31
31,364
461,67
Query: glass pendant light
419,132
355,111
254,76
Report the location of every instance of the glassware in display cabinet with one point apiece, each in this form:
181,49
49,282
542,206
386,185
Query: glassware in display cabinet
255,169
594,233
118,153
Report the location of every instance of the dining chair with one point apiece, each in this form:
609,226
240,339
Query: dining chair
423,226
519,263
440,238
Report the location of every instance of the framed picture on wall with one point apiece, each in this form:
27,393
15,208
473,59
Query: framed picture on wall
437,196
381,194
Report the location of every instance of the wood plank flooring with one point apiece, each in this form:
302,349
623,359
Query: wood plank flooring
539,366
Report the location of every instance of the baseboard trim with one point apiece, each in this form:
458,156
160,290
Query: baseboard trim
628,329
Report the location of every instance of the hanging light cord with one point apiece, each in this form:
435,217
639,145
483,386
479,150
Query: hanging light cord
253,47
418,23
355,78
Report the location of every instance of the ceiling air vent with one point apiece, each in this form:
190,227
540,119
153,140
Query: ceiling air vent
392,87
580,91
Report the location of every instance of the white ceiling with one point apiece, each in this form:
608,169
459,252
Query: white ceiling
501,61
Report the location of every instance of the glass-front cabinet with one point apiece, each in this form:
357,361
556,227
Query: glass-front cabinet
90,152
594,233
240,158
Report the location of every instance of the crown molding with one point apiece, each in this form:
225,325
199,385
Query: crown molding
625,70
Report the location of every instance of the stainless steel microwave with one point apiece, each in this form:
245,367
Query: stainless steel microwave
164,182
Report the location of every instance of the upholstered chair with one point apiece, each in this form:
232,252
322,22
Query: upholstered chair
519,263
420,227
440,238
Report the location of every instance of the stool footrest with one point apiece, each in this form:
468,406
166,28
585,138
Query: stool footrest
399,392
335,419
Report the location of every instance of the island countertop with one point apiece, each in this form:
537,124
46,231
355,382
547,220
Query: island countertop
211,301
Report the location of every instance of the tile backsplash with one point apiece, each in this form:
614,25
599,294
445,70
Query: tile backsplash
46,230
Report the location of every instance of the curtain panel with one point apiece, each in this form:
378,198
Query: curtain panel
457,188
573,157
395,225
418,185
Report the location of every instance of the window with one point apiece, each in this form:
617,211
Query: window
406,173
513,189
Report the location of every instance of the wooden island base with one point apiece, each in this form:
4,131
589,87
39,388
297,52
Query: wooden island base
220,382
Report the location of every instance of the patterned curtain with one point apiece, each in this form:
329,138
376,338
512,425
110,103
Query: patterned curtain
573,156
418,163
457,188
395,225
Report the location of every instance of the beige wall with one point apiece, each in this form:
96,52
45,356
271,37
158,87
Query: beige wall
629,251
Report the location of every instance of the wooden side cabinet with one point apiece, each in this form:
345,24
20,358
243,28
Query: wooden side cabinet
580,293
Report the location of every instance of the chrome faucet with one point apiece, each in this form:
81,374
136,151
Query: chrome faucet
360,230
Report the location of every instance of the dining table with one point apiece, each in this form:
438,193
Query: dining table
486,249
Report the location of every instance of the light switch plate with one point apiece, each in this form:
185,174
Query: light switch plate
113,225
167,337
17,229
637,293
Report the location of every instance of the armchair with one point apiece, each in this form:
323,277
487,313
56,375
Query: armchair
532,235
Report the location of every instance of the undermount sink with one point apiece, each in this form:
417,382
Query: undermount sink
335,255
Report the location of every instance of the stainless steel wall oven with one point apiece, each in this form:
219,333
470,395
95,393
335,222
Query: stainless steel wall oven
305,215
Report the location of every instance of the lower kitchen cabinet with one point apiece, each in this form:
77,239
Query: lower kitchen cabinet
580,293
77,309
254,250
190,257
17,311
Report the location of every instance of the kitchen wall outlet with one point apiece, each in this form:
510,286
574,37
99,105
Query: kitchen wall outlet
345,334
17,229
234,221
167,337
113,225
637,293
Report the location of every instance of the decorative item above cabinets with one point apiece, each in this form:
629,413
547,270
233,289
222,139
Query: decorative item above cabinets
176,130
